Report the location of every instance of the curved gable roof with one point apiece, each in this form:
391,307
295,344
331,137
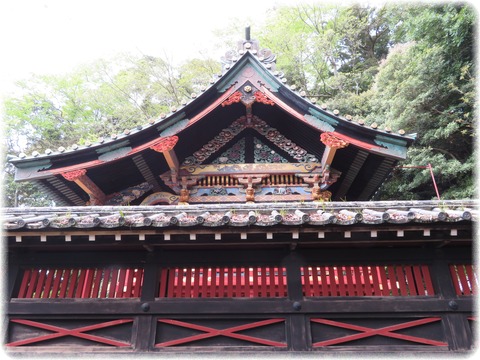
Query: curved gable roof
249,86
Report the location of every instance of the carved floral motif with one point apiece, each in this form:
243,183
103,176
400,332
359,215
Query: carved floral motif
234,98
165,144
262,98
74,175
330,140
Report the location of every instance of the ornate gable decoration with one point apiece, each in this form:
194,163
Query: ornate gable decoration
212,174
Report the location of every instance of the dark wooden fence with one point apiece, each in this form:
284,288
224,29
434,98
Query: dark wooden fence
379,299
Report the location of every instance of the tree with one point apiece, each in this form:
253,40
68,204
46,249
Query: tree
93,101
423,88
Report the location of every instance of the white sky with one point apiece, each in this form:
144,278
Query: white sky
54,36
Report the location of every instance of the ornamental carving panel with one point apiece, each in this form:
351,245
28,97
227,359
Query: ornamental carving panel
227,134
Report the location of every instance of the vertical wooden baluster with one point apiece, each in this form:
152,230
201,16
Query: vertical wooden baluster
402,283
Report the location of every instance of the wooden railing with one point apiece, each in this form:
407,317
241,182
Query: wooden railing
229,301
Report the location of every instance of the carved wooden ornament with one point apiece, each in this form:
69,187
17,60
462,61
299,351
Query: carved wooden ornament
165,144
330,140
74,175
234,98
262,98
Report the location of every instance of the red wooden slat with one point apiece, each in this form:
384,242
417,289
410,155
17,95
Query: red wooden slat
463,280
383,280
342,289
238,282
179,293
278,280
171,283
275,281
281,282
163,283
56,283
358,281
221,285
316,291
80,284
419,280
393,280
400,277
216,281
471,278
48,284
428,280
350,281
188,283
314,280
87,286
97,279
72,281
283,286
105,283
129,276
332,272
411,282
40,283
113,284
64,283
256,281
323,280
368,280
120,285
210,283
375,281
32,284
22,292
230,282
138,283
204,281
263,282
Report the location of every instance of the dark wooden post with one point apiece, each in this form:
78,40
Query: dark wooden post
13,275
455,324
145,329
297,330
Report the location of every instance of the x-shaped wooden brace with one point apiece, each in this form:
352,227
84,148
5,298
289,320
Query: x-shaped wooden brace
78,332
230,332
385,331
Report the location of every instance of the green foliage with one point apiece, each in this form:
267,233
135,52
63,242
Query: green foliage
96,100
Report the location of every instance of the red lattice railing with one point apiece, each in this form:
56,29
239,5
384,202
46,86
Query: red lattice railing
51,283
223,282
368,280
464,279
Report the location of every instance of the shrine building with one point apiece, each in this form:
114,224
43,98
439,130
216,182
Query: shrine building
241,221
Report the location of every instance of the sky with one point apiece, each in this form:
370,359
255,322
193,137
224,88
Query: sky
55,36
